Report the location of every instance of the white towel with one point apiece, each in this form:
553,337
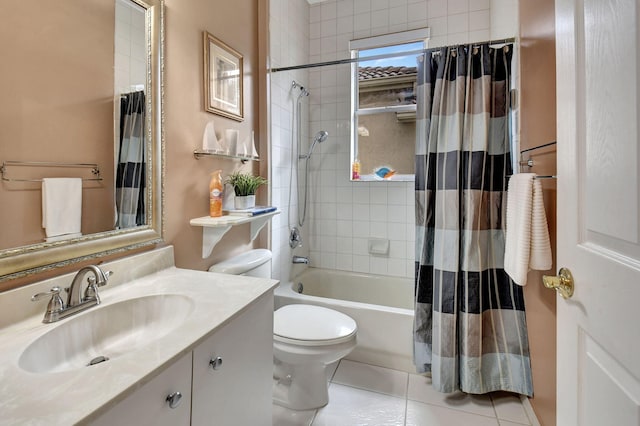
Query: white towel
527,243
61,206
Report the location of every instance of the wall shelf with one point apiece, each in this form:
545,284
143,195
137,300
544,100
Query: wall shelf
214,228
199,153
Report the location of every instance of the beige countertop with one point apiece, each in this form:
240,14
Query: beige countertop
76,395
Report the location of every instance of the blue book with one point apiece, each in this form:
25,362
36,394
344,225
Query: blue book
255,211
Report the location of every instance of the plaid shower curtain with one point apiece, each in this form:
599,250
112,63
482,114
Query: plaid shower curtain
130,176
470,329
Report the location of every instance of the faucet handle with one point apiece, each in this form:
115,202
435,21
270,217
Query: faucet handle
91,292
55,291
55,306
92,280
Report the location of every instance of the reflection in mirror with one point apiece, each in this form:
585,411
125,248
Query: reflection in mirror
384,103
84,88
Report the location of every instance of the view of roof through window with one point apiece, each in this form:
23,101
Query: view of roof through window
396,61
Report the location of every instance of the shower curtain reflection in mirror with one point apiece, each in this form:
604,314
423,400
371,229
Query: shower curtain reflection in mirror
130,176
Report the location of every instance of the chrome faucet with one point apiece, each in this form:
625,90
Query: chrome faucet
57,309
91,293
301,259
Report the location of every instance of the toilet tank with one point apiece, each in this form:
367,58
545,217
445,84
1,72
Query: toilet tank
253,263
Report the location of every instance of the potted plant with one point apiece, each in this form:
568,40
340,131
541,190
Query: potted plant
245,186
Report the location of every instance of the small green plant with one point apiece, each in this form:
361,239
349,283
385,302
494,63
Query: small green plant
244,183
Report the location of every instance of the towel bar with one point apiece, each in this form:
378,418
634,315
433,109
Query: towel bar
541,177
3,169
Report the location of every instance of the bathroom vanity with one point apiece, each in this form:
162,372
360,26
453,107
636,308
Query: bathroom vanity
183,347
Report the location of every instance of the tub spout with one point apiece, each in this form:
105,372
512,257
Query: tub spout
301,259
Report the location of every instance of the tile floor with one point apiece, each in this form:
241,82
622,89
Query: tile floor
363,394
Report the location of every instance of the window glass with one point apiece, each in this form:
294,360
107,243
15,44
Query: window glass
384,105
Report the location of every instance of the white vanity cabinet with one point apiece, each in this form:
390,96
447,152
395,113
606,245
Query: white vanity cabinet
233,370
149,405
225,381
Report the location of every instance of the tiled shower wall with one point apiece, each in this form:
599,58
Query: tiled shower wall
130,50
345,215
288,45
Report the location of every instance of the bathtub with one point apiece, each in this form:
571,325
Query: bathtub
381,306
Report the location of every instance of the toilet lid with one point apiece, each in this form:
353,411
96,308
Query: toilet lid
312,325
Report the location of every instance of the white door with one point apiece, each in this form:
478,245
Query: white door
599,211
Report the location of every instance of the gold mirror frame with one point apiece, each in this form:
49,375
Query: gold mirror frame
22,261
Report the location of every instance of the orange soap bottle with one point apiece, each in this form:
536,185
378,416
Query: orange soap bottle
215,194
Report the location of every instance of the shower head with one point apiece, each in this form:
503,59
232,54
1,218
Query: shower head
320,137
303,91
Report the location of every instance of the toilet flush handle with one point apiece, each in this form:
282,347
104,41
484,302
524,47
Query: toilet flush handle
216,363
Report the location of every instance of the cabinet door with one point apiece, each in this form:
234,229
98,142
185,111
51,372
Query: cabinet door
238,391
149,406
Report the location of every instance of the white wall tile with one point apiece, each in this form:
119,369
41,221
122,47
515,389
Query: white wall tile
437,8
417,12
398,15
379,4
458,23
457,6
344,262
378,265
361,229
360,263
360,6
315,13
345,8
479,4
438,27
329,10
362,23
479,20
380,18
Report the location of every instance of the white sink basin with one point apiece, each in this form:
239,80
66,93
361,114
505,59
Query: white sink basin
105,331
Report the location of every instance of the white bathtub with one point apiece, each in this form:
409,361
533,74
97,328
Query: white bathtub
381,306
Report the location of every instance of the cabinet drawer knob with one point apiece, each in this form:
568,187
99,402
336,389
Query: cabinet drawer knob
216,363
174,399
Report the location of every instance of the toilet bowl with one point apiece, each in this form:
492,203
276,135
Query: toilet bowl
306,338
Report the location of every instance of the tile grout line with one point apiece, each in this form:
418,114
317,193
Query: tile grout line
493,405
528,409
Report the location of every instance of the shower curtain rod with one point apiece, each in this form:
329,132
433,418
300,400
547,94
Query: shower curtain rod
385,56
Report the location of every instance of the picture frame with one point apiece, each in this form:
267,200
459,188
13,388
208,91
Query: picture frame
223,77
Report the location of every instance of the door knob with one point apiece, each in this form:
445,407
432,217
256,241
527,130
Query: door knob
563,283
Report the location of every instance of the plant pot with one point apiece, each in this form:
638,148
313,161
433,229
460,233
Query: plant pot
244,202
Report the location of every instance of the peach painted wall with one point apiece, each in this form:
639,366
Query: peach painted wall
538,121
187,179
56,92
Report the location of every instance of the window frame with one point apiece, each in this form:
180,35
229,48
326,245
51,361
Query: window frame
355,47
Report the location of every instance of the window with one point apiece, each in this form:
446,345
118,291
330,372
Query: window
383,101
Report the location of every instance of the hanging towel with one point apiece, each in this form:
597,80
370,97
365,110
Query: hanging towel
527,237
61,207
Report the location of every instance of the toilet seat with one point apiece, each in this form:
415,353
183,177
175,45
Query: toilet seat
309,325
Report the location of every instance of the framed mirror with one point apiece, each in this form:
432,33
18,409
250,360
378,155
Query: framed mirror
85,88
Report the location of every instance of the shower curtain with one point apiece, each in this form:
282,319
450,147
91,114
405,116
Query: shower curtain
130,176
470,330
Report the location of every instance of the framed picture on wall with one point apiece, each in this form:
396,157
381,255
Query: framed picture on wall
222,79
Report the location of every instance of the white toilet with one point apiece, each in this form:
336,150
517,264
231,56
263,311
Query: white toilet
306,338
